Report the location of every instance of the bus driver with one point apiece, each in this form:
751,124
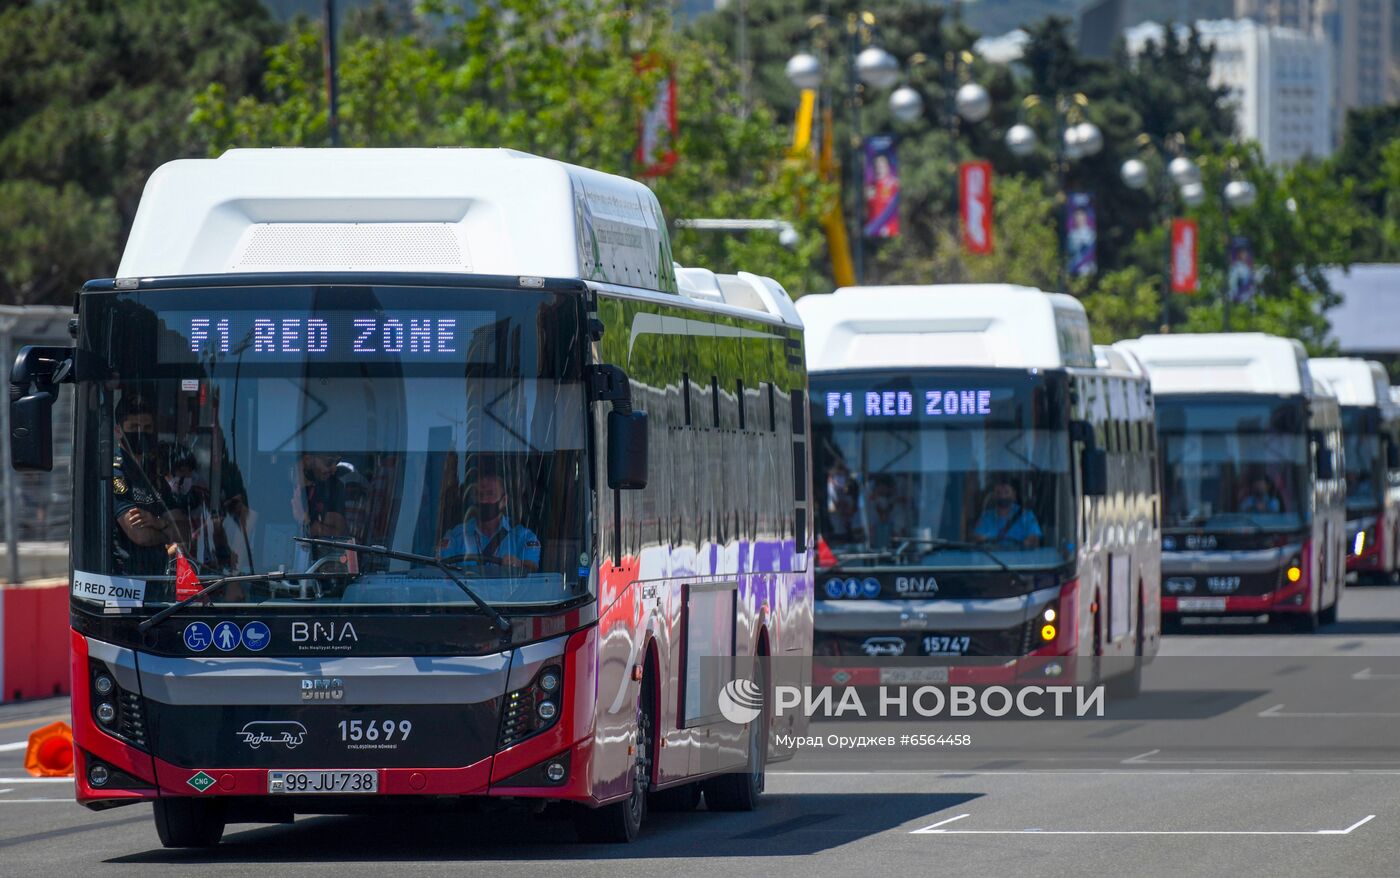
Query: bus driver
489,537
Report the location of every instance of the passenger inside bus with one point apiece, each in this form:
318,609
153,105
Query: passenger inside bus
888,512
1004,521
486,535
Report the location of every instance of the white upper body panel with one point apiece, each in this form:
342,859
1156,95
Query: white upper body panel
1237,362
971,325
1355,381
473,211
454,211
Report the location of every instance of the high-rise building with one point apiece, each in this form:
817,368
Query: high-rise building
1278,78
1358,32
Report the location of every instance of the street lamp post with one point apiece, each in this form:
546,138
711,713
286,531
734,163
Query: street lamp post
965,101
1075,138
1181,172
1236,195
870,66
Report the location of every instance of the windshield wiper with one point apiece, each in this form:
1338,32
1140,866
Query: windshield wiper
451,572
217,584
906,542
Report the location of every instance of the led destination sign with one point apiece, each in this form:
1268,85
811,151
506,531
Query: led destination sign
338,337
949,402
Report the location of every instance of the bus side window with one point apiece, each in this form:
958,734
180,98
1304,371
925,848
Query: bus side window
743,403
772,408
685,395
799,470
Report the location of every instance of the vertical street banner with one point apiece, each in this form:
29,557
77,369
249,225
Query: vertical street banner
1081,235
1185,275
881,188
1241,270
659,129
975,206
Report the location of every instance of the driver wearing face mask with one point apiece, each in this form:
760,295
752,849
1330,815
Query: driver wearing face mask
488,536
143,530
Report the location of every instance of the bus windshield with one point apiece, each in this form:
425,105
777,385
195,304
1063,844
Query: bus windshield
965,469
1234,464
223,423
1362,450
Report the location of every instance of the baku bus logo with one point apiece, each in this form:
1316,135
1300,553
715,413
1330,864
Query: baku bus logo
288,734
741,701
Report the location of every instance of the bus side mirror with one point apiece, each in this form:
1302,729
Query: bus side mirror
1093,465
627,450
31,433
34,381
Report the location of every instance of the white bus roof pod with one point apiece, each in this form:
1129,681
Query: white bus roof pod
1239,362
469,211
972,325
1356,381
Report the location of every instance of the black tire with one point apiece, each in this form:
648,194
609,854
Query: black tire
685,797
1306,623
189,823
621,822
741,791
1329,615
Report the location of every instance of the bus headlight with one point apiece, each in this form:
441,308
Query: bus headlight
1047,632
533,709
1358,545
106,712
1295,573
1049,614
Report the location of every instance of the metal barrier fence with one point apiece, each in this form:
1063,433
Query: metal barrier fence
37,506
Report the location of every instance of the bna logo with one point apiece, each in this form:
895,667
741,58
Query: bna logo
741,701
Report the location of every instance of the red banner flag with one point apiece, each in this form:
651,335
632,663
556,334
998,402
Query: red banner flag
975,206
658,130
187,583
1185,277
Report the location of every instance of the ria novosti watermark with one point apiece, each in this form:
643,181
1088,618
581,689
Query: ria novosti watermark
741,700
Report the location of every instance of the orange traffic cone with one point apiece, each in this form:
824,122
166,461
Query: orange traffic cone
50,752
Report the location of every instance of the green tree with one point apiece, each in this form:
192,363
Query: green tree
95,95
568,81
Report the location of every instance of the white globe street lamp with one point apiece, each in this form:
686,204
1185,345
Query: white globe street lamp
804,71
1089,138
1134,174
1021,140
1193,194
877,68
1240,194
972,102
1184,172
906,104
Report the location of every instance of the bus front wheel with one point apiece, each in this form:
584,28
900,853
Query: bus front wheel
621,822
189,823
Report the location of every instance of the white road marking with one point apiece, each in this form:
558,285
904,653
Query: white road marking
1133,760
1037,831
36,780
29,801
8,790
1367,674
18,745
934,826
1050,772
1276,712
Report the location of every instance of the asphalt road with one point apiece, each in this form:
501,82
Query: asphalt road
1249,752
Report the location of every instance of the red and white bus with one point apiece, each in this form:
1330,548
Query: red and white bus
418,476
1371,440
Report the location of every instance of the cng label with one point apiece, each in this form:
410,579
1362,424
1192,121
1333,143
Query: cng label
201,781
